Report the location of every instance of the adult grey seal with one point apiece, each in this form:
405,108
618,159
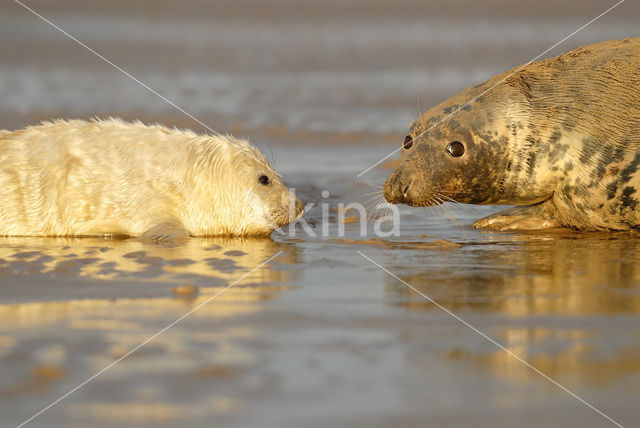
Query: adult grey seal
559,138
114,177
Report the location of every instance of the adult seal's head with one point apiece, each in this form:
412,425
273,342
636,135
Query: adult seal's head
450,158
559,138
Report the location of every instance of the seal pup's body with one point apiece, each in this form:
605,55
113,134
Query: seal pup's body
560,138
111,177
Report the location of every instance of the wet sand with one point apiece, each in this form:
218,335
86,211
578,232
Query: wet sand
319,336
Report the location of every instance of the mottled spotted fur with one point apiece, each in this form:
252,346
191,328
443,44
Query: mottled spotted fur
560,136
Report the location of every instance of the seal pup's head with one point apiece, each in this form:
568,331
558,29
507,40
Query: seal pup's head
470,152
243,194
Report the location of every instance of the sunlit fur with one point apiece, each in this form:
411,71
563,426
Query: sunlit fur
560,138
114,177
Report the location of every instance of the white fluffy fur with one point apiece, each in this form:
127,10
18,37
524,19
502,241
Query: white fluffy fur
113,177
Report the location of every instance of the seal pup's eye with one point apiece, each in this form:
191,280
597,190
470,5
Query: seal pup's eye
264,180
455,149
408,142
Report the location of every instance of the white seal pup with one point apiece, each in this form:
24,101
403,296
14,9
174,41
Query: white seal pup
110,177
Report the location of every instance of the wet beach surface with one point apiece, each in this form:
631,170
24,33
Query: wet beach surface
319,336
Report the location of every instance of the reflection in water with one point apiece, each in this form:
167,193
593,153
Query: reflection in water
547,294
564,275
131,259
209,263
305,340
100,298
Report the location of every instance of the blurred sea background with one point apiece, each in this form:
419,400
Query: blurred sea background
320,336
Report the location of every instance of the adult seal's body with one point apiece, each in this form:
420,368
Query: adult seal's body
560,138
113,177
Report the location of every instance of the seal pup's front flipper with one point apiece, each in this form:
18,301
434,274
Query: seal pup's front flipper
170,230
532,217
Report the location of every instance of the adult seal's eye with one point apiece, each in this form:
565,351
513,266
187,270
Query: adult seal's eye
455,149
264,180
408,142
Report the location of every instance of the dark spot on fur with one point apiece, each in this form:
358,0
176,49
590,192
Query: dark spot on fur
568,127
590,147
630,169
555,137
627,200
450,109
611,188
531,163
609,154
454,124
556,150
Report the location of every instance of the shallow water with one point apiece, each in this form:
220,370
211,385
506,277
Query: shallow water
319,336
